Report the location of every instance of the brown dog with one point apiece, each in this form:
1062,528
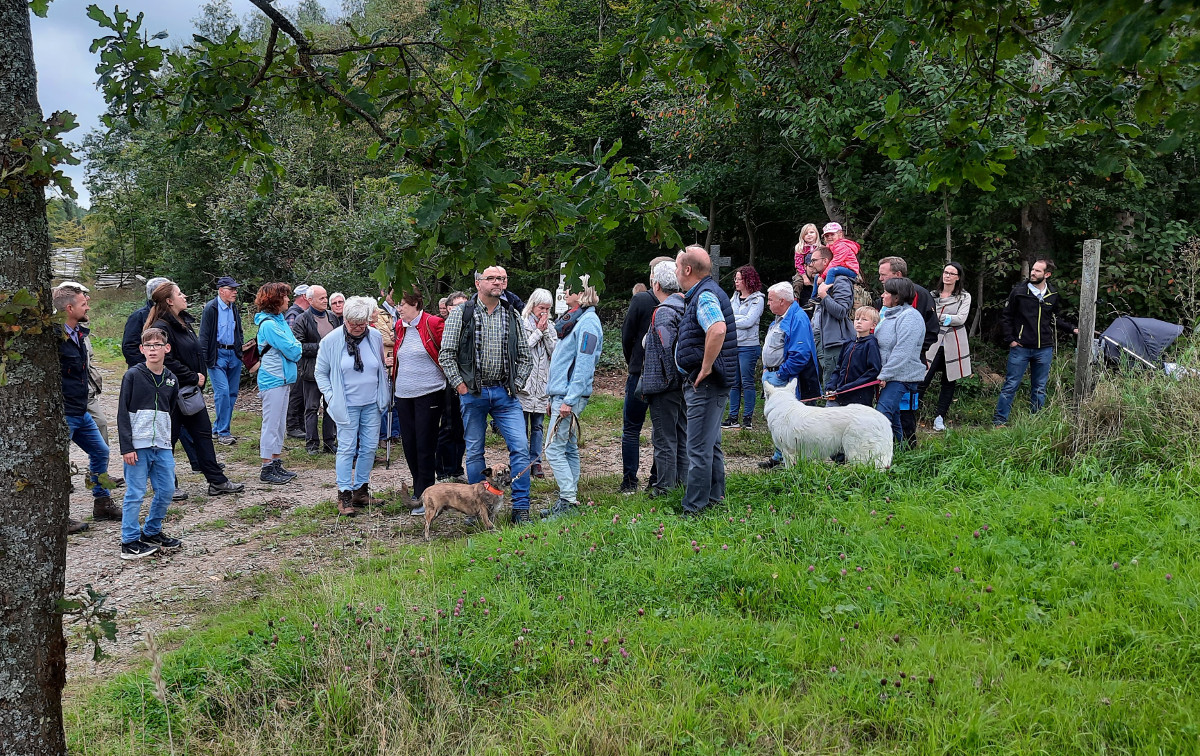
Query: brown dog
475,499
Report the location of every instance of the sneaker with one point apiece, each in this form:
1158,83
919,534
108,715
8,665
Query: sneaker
629,487
226,440
75,526
770,463
939,424
269,474
179,495
520,517
418,512
560,508
103,508
228,487
730,422
137,550
297,433
747,423
161,540
312,451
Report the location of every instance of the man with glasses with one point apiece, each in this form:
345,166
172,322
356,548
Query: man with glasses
221,337
486,358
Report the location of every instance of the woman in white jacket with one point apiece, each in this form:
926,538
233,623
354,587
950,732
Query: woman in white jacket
542,338
950,355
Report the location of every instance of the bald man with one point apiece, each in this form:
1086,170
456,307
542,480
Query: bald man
706,354
309,328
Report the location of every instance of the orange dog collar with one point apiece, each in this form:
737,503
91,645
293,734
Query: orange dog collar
492,489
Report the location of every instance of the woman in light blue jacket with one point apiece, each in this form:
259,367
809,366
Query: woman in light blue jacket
352,375
900,334
279,352
747,303
580,340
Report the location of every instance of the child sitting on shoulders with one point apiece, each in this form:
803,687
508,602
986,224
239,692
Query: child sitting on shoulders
859,364
845,256
148,394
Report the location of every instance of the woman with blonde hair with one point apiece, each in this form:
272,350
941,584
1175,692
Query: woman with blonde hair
542,339
571,370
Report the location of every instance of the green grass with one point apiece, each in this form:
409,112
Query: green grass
987,564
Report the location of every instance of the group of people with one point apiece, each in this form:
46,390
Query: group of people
351,374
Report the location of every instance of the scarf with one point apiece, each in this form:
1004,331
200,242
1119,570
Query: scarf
352,343
567,323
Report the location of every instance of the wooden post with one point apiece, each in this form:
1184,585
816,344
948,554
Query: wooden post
718,261
1087,320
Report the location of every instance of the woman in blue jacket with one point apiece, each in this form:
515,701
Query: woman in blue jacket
279,352
571,369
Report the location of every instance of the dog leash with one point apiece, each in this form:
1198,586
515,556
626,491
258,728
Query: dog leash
847,391
550,434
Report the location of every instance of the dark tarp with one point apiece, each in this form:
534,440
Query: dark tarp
1145,337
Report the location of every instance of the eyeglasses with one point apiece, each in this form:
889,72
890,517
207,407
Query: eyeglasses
950,273
496,279
155,345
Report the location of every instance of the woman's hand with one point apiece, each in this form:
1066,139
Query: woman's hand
543,321
200,380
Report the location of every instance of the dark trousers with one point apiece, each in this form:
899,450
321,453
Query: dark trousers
670,438
199,427
451,438
295,412
312,406
634,417
705,478
419,420
946,394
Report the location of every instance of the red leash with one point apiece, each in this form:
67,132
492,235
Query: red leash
847,391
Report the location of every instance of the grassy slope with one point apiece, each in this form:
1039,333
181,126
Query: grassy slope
755,642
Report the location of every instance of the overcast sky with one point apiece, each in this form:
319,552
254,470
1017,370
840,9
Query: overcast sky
67,71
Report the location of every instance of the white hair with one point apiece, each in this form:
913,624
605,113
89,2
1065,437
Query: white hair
358,309
664,275
153,284
538,297
335,295
784,291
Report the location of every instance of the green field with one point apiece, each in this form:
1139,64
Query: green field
991,593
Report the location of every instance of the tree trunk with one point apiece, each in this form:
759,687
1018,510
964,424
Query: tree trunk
751,243
946,210
33,440
1035,233
712,223
978,306
833,208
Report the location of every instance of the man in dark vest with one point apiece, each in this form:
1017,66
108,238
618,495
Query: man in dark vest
706,353
485,357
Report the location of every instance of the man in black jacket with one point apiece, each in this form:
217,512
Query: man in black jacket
895,267
73,360
221,337
312,326
1030,316
637,322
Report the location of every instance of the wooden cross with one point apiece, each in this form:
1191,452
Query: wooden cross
718,262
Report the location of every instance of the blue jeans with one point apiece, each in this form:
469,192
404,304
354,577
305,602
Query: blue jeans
510,419
743,382
157,466
832,273
361,435
563,450
534,422
888,404
86,435
1038,361
225,377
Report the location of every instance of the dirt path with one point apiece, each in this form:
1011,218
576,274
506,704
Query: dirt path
229,541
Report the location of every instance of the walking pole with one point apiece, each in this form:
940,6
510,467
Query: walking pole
387,461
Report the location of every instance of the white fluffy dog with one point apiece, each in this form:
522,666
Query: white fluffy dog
862,433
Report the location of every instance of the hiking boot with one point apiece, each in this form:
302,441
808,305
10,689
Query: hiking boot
161,540
137,550
228,487
520,517
179,495
560,508
75,526
939,424
345,506
629,487
103,508
271,474
537,471
226,440
278,465
362,497
770,464
730,422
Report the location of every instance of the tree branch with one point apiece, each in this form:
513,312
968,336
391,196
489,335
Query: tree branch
262,72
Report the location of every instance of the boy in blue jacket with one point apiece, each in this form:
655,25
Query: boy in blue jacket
859,364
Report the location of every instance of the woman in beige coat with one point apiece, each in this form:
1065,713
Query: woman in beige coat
539,330
950,354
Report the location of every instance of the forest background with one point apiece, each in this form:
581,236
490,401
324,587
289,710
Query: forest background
796,139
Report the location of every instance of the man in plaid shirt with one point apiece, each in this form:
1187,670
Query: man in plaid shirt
486,359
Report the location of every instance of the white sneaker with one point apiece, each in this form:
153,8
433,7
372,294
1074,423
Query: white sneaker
939,424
